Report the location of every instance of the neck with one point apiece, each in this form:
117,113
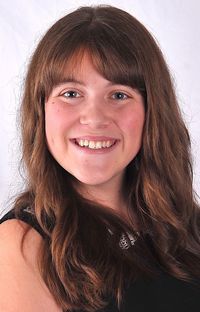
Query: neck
107,194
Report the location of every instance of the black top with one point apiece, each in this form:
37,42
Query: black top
162,294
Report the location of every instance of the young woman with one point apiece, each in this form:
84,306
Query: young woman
108,221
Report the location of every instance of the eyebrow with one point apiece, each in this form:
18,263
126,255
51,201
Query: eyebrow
68,80
77,81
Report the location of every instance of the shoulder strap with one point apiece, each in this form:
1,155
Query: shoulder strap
26,215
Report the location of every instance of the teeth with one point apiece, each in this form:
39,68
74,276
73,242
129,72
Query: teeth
92,144
81,143
85,142
107,143
95,144
98,145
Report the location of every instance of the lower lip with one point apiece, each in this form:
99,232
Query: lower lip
103,150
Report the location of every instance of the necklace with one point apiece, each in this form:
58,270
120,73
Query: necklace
126,240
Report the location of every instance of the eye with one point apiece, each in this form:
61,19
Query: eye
120,96
71,94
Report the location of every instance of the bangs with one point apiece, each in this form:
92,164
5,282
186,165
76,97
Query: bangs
114,60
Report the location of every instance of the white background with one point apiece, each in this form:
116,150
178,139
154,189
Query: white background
174,23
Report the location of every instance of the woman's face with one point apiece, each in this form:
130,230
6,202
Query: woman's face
93,126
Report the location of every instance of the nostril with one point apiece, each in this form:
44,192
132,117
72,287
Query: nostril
94,123
94,119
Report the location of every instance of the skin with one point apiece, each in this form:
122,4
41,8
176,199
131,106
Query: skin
94,108
21,286
97,109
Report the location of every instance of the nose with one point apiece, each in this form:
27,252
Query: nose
95,115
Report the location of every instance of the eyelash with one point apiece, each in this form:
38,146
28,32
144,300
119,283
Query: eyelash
121,93
125,96
70,91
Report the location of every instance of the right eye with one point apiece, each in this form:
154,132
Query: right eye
71,94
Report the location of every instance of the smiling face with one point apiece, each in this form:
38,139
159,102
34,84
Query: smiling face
93,126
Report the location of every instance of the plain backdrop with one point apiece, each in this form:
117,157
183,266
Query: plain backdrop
175,25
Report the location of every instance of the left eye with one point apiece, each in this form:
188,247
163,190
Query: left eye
71,94
120,96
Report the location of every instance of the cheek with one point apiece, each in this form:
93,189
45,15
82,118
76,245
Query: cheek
132,123
54,129
57,120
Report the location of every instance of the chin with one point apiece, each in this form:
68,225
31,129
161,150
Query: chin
92,182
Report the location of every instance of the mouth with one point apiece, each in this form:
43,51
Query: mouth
95,144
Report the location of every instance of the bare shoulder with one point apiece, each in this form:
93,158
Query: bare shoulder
21,286
11,234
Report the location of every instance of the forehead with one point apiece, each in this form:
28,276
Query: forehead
83,60
76,64
73,67
83,72
79,65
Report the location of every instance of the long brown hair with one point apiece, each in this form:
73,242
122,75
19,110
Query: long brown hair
80,261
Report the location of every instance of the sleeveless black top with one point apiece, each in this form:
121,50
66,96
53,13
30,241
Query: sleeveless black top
162,294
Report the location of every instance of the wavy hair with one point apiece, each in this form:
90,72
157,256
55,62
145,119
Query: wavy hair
80,262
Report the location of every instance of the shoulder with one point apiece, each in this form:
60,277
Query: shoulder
20,282
11,236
